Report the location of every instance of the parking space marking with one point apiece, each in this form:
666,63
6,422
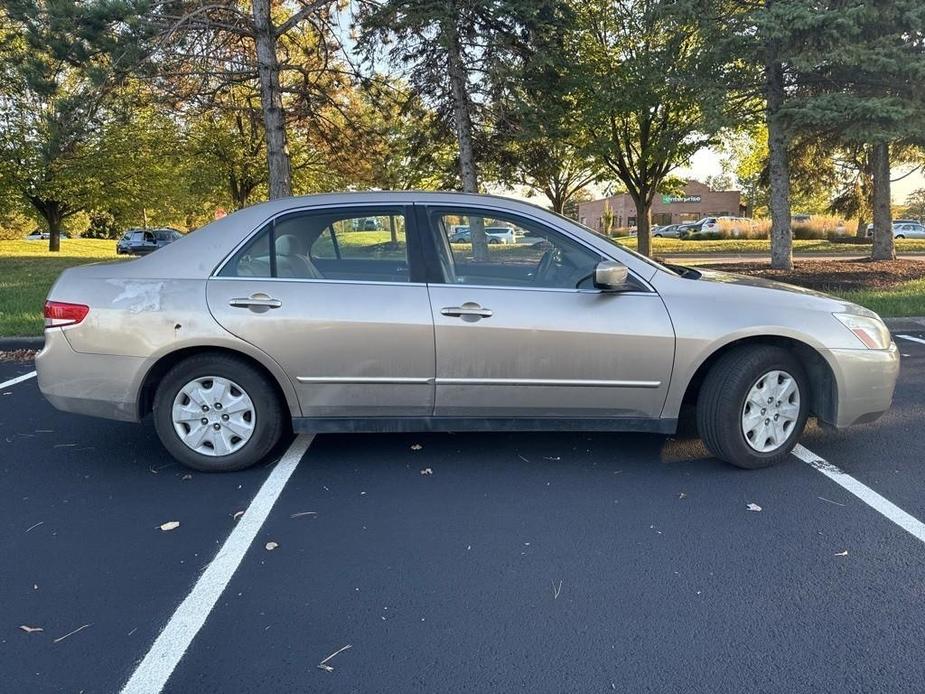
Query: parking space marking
156,667
886,508
912,339
18,379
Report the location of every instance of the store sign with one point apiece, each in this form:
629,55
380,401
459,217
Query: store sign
671,199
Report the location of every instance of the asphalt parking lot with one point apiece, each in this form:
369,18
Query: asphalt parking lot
467,562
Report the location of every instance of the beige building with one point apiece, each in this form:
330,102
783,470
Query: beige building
697,201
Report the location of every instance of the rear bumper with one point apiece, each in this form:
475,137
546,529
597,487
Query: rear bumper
99,385
866,379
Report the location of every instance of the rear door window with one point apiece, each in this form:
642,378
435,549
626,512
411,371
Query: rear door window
343,244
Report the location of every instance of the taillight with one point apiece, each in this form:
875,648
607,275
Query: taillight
58,313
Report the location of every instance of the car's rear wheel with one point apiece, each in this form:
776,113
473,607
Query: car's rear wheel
753,406
900,236
215,412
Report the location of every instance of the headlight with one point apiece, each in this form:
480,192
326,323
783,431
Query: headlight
869,330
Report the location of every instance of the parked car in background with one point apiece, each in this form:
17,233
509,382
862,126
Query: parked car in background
257,322
903,229
668,231
733,226
44,235
366,224
494,234
144,241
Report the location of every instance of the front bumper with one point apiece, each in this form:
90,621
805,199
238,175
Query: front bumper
99,385
866,379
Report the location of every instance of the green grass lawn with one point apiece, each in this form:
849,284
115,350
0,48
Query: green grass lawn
27,271
906,299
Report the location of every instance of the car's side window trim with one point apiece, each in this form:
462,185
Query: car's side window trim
415,253
423,215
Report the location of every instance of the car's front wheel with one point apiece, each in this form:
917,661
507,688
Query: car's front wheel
753,406
215,412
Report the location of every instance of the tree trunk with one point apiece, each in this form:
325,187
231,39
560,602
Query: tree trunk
393,232
884,248
862,227
462,117
53,214
54,231
643,226
778,169
271,101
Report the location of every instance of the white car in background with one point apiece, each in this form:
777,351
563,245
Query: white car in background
733,225
903,229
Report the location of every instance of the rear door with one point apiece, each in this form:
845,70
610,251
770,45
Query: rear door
342,307
523,333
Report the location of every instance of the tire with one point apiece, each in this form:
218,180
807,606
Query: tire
658,236
259,416
900,236
722,417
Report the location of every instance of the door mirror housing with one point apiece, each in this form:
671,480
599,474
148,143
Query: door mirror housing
611,276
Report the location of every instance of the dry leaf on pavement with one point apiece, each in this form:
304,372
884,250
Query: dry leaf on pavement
427,471
270,546
170,525
30,630
753,507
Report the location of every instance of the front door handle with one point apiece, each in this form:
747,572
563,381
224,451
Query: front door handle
256,302
468,310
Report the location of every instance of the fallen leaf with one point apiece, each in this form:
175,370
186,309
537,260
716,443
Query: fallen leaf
237,515
170,525
186,477
30,630
753,507
416,447
682,495
270,546
427,471
842,554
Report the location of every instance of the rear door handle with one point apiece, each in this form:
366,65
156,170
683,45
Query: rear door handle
467,310
256,301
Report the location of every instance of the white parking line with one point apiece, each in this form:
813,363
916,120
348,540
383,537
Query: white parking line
18,379
155,669
912,339
888,509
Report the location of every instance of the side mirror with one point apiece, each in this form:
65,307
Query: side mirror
610,275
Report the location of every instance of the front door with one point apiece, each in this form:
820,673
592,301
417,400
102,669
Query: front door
330,295
523,333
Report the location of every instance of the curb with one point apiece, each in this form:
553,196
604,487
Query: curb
9,344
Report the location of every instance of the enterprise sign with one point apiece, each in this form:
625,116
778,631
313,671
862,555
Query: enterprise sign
670,199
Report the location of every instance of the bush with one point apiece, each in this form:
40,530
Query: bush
102,225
